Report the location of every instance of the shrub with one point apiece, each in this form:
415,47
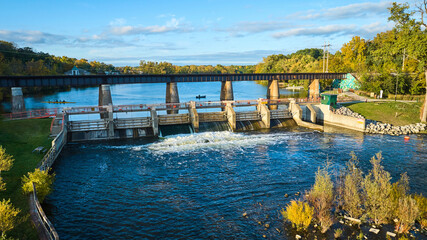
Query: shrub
337,233
422,208
351,192
377,188
321,197
299,213
398,191
407,213
6,163
43,181
8,217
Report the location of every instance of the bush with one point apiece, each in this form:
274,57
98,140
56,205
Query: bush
43,181
352,189
6,163
8,217
377,188
299,213
422,208
321,197
407,213
337,233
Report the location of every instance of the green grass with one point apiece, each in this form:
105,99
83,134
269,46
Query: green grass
20,138
396,113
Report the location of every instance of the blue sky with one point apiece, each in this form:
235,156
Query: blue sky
187,32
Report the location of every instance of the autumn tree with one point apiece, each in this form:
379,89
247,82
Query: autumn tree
6,163
8,217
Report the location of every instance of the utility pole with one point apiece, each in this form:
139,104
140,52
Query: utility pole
327,59
403,63
325,69
324,49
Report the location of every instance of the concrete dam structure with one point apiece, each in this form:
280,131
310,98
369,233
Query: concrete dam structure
187,114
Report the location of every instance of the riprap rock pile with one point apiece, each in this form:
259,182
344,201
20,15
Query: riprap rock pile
385,128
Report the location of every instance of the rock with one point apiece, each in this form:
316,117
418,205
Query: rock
391,234
245,214
286,195
297,236
267,225
374,230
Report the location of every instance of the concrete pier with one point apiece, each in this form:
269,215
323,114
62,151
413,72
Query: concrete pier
194,116
273,92
104,98
172,95
227,91
264,113
18,103
314,89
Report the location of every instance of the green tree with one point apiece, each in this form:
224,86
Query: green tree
321,197
43,181
352,189
6,163
377,189
8,217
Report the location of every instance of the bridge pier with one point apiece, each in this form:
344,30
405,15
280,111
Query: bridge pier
154,122
226,91
314,89
273,92
231,116
18,103
104,98
172,95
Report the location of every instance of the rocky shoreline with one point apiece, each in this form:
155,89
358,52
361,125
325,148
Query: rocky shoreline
382,128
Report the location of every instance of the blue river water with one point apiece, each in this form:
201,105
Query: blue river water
198,186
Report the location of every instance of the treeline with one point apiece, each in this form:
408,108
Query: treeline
398,55
25,61
149,67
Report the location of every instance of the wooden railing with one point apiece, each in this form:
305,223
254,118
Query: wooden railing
42,223
39,113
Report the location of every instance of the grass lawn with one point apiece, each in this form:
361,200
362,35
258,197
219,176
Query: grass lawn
396,113
20,138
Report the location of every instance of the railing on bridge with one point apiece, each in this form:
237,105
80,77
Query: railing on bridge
39,113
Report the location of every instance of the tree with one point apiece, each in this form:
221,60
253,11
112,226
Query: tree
8,217
43,181
377,189
352,196
321,197
299,214
6,163
413,38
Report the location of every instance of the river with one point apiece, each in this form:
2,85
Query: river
199,186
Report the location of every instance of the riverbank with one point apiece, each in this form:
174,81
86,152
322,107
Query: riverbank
20,138
395,113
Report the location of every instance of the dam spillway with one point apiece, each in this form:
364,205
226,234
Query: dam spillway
149,119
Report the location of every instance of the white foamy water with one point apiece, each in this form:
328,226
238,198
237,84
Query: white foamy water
214,140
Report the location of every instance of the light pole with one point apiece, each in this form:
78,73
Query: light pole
395,92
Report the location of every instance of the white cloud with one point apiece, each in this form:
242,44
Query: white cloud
31,37
246,27
366,31
357,10
173,25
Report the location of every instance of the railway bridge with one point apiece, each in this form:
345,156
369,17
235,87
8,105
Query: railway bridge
16,83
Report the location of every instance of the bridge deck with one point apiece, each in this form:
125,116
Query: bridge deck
95,80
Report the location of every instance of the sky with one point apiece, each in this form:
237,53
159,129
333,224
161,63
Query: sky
187,32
